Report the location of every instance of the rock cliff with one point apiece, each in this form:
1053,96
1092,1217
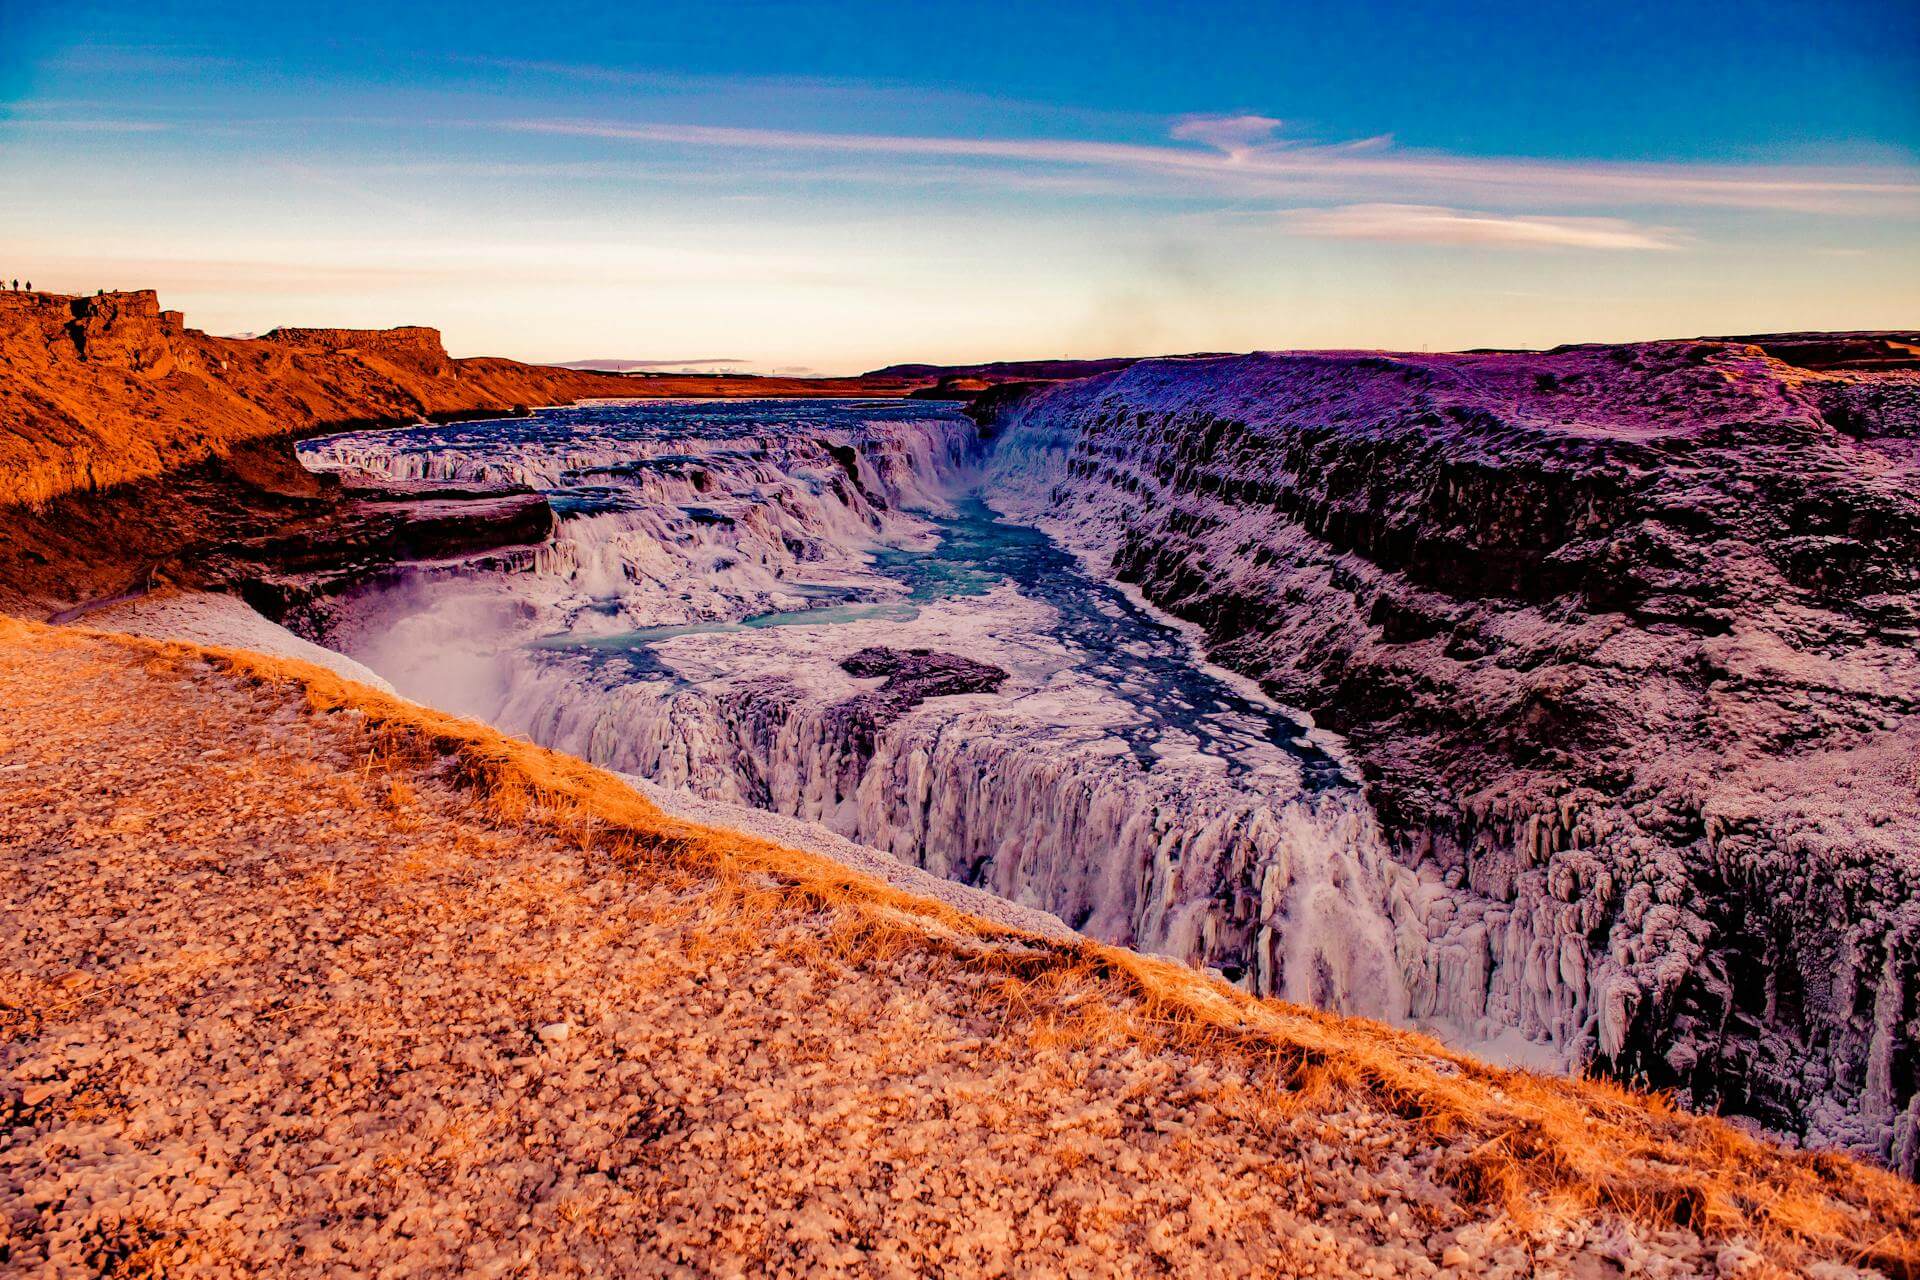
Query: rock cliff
128,440
110,389
1624,639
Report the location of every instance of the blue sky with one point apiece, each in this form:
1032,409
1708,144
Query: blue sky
831,187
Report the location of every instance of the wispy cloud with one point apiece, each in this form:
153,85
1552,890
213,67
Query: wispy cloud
139,59
1437,225
1064,151
1231,157
361,264
1235,135
790,88
85,126
359,191
188,275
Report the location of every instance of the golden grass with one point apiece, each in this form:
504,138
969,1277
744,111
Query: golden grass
1540,1149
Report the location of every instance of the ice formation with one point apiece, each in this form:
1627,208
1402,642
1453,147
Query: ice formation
1182,815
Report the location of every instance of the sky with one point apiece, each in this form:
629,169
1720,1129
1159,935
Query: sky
777,186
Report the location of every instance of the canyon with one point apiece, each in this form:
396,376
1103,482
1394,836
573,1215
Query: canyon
1610,653
1561,704
1623,639
715,611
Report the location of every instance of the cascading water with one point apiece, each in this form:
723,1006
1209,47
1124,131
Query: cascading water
810,607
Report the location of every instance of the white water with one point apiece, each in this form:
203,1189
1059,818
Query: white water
1110,780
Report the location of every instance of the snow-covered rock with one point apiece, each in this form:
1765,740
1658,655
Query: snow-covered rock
1625,641
205,617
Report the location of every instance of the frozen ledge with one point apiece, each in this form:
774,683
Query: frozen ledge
205,617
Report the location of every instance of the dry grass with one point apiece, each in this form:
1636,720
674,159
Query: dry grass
1538,1148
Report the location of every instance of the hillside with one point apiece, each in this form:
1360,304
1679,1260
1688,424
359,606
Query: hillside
296,977
104,390
101,397
1624,639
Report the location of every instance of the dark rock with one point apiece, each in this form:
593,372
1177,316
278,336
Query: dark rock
911,677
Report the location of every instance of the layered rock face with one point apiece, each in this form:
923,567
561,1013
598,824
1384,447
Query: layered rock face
1625,641
108,390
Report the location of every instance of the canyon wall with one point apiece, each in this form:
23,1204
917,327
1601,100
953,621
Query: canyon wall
110,389
966,735
1624,639
130,443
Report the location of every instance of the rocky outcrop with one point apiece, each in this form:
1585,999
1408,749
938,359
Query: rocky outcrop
1869,352
952,387
107,390
1625,641
908,677
995,372
254,523
294,566
129,441
964,382
411,343
127,331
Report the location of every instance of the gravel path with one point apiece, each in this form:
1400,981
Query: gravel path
269,1004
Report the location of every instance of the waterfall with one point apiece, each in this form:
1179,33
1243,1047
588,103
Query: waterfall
621,641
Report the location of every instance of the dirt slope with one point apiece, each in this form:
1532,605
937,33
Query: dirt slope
100,391
297,978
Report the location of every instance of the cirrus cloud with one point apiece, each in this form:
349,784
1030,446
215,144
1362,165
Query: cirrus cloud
1233,163
1234,135
1439,225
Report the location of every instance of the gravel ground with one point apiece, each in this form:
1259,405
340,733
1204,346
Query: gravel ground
270,1006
